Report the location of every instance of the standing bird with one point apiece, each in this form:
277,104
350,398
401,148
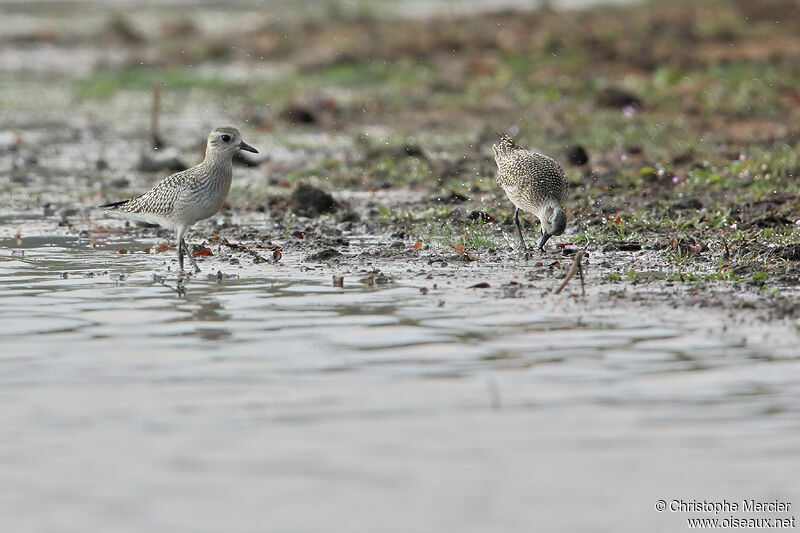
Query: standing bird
180,200
534,183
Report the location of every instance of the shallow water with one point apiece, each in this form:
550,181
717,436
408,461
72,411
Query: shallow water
275,402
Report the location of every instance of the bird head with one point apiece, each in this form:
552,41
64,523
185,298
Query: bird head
226,140
504,146
554,222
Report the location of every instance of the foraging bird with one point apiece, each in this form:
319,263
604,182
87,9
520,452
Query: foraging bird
534,183
197,193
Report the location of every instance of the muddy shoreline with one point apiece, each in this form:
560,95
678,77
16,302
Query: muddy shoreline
681,154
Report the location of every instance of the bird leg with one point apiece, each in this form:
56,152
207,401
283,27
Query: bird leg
179,237
191,257
181,246
519,228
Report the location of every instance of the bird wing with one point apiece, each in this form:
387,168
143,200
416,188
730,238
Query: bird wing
160,200
550,176
114,205
532,176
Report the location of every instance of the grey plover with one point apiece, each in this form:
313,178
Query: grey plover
534,183
180,200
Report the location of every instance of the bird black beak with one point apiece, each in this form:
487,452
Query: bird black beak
545,236
244,146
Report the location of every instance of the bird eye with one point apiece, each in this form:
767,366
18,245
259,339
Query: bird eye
226,138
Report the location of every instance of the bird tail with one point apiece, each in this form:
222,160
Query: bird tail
115,204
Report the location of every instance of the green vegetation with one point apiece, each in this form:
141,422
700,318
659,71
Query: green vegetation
107,83
472,237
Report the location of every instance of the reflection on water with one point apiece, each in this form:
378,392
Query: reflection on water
377,406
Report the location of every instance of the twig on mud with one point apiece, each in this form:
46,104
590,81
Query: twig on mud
727,255
154,112
576,267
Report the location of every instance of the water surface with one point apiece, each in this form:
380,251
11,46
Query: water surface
281,403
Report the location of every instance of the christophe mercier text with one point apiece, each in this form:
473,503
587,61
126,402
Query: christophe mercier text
725,506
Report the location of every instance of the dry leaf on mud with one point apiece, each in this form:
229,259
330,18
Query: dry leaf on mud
460,250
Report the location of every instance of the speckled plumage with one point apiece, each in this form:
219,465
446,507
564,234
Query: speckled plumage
534,183
184,198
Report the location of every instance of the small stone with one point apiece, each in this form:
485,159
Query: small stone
311,201
577,156
622,247
687,203
161,161
322,255
614,97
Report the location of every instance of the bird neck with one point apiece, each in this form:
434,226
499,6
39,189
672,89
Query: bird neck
219,164
549,205
505,164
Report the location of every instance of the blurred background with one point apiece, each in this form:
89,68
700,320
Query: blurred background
661,99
